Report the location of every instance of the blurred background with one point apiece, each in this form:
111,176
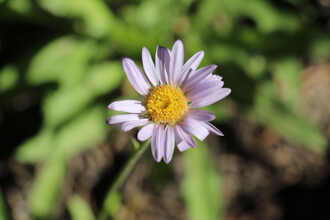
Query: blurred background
60,68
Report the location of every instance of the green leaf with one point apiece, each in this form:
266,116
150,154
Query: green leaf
202,185
63,104
90,16
288,79
46,189
104,77
79,209
8,77
66,102
82,133
37,147
77,135
64,60
20,6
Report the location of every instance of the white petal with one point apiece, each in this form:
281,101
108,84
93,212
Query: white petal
136,77
169,145
176,62
133,124
146,132
149,67
158,143
195,127
117,119
130,106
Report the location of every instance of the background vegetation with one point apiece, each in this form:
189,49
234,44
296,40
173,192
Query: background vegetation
60,68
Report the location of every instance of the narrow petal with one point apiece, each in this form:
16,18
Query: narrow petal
170,143
130,106
146,132
208,97
201,115
158,143
212,81
191,64
194,61
184,140
117,119
176,62
195,127
212,128
183,146
149,67
126,126
162,63
198,75
136,77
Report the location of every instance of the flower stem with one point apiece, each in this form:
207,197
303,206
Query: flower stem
107,209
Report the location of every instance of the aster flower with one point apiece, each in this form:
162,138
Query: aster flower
172,90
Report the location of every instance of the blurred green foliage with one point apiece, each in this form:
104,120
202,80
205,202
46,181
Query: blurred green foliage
202,185
259,47
80,209
3,211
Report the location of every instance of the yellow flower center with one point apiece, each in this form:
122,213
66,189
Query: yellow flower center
166,104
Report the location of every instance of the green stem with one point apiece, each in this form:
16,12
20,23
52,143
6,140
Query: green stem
121,179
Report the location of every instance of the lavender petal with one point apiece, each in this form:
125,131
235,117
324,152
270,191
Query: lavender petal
208,97
162,63
212,128
130,106
170,144
176,62
191,64
118,119
198,75
135,76
149,67
157,143
195,127
184,140
145,132
126,126
201,115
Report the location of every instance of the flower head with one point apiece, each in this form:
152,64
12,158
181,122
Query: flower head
173,91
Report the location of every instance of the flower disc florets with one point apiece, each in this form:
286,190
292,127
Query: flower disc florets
166,104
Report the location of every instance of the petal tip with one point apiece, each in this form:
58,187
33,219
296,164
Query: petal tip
228,91
167,161
145,50
108,121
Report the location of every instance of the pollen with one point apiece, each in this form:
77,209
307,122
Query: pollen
166,104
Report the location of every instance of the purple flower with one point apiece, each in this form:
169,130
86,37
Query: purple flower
173,91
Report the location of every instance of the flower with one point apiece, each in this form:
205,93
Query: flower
173,91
